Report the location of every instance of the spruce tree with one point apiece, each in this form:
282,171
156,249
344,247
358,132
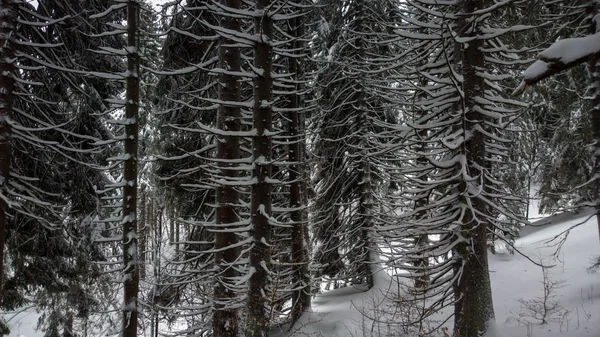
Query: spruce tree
225,318
459,50
8,20
354,118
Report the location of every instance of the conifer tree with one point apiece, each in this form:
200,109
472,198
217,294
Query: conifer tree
50,220
8,29
225,318
260,208
130,174
296,156
570,16
465,117
354,118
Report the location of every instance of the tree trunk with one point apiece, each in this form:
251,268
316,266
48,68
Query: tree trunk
593,11
365,211
260,205
142,236
68,329
366,198
130,249
422,240
171,225
8,26
177,238
301,277
149,229
225,317
473,308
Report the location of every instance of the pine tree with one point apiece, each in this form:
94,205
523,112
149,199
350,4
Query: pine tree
301,297
225,318
473,308
551,61
459,51
260,208
130,175
50,217
355,118
8,26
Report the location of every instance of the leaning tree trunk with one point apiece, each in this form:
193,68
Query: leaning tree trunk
473,307
8,26
260,205
225,316
130,249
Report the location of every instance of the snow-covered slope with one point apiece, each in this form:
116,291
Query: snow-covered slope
515,281
350,311
576,291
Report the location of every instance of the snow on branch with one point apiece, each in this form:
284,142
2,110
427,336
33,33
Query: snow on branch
560,56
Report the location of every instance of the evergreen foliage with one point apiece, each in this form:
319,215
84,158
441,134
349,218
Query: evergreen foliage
236,156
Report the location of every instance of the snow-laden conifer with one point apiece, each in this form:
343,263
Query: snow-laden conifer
459,51
577,23
53,115
352,130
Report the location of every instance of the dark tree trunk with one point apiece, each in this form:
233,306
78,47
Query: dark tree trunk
260,205
366,198
68,329
593,10
130,241
171,225
8,26
142,236
177,237
473,307
225,318
301,277
422,240
365,211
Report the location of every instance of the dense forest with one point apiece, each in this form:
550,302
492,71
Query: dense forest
205,167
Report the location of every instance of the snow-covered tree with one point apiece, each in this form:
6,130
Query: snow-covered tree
296,139
354,118
130,174
229,123
57,113
8,32
460,52
580,20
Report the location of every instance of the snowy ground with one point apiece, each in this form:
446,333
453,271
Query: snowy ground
23,323
577,291
515,281
353,312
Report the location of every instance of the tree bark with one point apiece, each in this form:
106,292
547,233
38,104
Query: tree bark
142,236
68,329
594,10
171,225
177,237
422,240
301,277
260,205
366,197
473,308
129,209
225,318
8,27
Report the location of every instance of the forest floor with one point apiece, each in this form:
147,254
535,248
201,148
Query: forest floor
572,294
572,297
